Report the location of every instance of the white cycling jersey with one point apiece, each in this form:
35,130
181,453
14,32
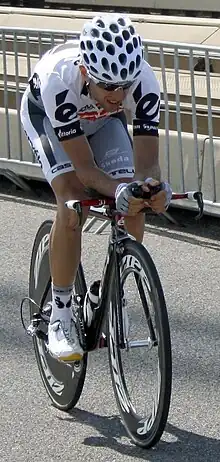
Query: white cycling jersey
56,86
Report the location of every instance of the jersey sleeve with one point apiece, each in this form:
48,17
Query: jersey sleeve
143,101
61,107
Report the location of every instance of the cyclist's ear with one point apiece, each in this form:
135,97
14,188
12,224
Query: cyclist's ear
83,70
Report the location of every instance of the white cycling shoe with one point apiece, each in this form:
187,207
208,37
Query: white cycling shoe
63,342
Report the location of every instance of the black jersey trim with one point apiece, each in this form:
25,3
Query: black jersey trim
69,131
37,116
145,127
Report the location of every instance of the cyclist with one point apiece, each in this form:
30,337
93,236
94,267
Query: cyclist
73,113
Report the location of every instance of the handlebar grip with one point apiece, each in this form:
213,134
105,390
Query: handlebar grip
138,192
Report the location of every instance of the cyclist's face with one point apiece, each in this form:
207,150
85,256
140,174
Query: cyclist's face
109,100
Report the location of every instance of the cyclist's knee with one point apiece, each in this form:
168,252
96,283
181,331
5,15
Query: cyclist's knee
68,187
69,219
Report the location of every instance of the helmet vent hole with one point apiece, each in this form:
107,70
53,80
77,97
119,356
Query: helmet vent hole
137,73
93,69
122,58
89,45
138,61
114,28
119,41
126,34
95,33
121,21
107,36
131,29
105,64
124,74
106,76
86,59
110,50
93,58
135,42
100,45
131,67
114,69
129,48
100,23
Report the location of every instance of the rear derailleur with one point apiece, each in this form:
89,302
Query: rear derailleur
39,321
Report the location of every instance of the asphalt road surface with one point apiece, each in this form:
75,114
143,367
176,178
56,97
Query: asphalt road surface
31,429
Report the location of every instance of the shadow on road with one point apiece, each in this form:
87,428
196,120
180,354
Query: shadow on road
184,446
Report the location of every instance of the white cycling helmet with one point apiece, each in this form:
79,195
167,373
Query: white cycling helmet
111,50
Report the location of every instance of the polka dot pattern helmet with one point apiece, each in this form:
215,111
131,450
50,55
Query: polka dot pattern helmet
111,50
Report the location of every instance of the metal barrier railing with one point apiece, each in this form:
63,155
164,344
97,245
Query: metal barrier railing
20,49
186,94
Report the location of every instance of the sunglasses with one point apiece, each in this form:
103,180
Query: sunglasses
114,86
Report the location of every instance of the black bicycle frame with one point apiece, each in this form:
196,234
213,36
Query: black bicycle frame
112,263
111,266
44,296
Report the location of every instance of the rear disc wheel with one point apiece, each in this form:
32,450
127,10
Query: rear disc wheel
63,382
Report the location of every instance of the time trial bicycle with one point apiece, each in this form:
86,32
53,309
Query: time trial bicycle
140,325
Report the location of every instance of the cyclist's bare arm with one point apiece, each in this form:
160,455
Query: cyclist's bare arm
146,154
89,174
146,157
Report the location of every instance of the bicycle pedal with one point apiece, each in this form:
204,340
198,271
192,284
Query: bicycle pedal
47,308
31,330
78,299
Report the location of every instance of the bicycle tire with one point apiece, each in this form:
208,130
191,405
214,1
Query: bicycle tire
63,383
140,431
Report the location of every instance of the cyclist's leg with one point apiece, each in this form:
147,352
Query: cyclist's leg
65,252
65,242
113,151
135,226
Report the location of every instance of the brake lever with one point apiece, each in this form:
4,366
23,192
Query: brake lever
76,206
198,196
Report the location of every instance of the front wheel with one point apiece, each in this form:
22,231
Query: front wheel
63,382
141,365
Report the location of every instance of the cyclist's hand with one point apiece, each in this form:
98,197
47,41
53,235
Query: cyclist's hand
160,201
129,205
125,202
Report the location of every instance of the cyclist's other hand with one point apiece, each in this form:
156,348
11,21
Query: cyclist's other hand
160,201
125,202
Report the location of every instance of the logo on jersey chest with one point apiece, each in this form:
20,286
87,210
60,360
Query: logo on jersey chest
87,108
92,112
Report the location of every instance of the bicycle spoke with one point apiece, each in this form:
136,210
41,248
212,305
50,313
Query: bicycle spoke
146,308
